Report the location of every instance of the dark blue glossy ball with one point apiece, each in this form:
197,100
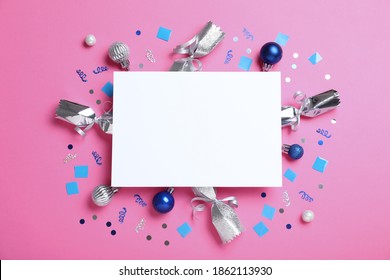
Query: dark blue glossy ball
271,53
163,202
295,151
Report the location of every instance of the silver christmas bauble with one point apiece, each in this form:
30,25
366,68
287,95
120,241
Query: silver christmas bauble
102,194
119,53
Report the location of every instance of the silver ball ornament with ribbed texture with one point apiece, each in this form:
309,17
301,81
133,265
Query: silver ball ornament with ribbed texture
119,53
102,195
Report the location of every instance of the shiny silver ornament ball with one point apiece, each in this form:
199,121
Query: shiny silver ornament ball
90,40
102,195
307,216
119,53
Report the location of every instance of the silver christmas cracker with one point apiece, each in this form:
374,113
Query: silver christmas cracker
224,218
83,117
310,107
200,45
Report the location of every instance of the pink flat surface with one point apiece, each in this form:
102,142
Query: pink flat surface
41,49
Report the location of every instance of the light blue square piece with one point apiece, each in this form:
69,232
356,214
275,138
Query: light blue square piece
164,33
245,63
108,89
81,171
290,175
72,188
281,39
320,164
260,229
315,58
184,229
268,212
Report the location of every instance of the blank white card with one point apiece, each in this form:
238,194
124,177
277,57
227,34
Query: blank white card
185,129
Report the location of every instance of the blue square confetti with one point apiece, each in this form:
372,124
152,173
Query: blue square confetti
81,171
290,175
260,229
315,58
245,63
72,188
268,212
184,229
320,164
281,39
164,33
108,89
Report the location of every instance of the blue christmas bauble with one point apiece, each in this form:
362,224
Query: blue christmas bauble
271,53
163,202
295,151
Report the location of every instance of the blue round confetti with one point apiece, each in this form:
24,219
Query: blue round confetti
320,142
263,194
288,226
113,232
108,224
82,221
138,32
70,146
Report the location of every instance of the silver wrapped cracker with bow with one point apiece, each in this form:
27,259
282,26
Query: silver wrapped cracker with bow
224,218
201,45
310,107
83,117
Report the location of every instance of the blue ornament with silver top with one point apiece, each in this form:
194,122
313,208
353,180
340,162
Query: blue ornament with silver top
294,151
163,202
270,54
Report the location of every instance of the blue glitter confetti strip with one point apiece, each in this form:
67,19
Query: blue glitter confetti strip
184,229
261,229
281,39
320,164
108,89
164,33
315,58
81,171
290,175
268,212
72,188
245,63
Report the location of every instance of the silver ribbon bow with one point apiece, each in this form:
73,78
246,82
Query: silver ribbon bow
310,107
201,45
83,117
224,218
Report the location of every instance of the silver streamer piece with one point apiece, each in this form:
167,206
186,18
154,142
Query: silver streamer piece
202,44
119,53
310,107
224,218
102,195
83,117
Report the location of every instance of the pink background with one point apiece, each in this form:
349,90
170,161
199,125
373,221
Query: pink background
41,49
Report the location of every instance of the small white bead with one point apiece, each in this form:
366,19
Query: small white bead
90,40
307,216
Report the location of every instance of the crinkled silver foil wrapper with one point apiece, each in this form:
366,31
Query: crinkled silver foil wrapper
200,45
224,218
83,117
310,107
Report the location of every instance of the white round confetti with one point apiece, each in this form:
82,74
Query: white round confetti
90,40
288,79
248,50
327,77
294,66
295,55
333,121
235,39
307,216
